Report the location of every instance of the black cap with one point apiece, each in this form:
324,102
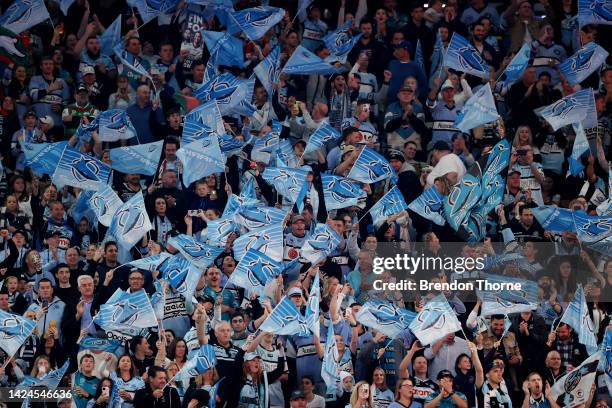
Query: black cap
30,113
202,396
492,365
396,155
441,145
445,373
52,233
81,88
205,298
297,394
22,232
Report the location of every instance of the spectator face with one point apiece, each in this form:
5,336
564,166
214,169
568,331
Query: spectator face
339,83
298,403
133,46
110,254
307,385
495,375
479,32
159,381
86,287
564,333
11,283
83,226
417,14
30,122
93,46
122,82
213,277
525,10
381,16
298,228
514,180
465,363
198,73
420,365
497,326
143,94
169,179
160,206
228,265
223,332
136,281
366,29
529,76
20,73
45,291
524,135
378,378
371,243
82,97
397,38
87,365
46,66
406,390
125,363
364,392
4,302
63,275
527,217
565,270
174,120
238,324
553,360
365,262
448,95
166,53
405,96
293,40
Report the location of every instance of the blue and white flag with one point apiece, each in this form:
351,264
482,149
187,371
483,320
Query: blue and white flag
239,102
204,120
131,222
330,366
463,57
437,58
50,381
313,307
24,14
219,230
324,134
385,317
463,197
340,192
14,331
158,299
81,208
248,190
594,12
515,69
224,48
581,146
429,205
124,310
234,202
340,42
436,320
391,203
258,216
577,316
78,170
509,301
554,219
201,158
182,276
110,37
574,388
115,124
229,145
607,363
137,159
256,21
320,244
305,62
590,228
570,109
65,5
150,263
478,110
418,57
43,157
269,69
302,7
285,320
583,63
202,362
150,9
264,146
371,167
288,182
95,343
268,240
285,155
254,271
199,254
217,88
130,61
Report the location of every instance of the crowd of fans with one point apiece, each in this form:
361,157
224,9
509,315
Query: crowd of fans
59,270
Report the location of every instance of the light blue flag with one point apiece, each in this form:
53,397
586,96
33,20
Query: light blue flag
313,309
258,216
78,170
493,185
269,69
65,5
268,240
583,63
50,381
429,205
509,301
150,9
285,320
285,155
158,299
591,228
391,203
385,317
305,62
24,14
574,388
254,271
478,110
515,69
607,350
81,208
239,102
84,133
330,366
418,57
256,21
324,134
130,61
150,263
436,320
43,157
218,87
234,202
226,49
570,109
204,120
302,7
110,37
463,57
14,331
201,158
115,124
199,254
265,146
105,203
202,362
219,230
437,57
126,310
95,343
131,222
371,167
554,219
339,192
594,12
340,42
463,197
581,146
137,159
229,145
182,276
320,244
248,191
288,182
577,316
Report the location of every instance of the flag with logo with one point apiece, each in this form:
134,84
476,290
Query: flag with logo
577,316
258,216
137,159
285,155
256,21
478,110
234,202
130,61
219,230
429,205
463,197
14,331
50,381
202,362
515,69
96,343
269,69
221,86
115,124
150,9
131,222
224,48
592,228
580,147
371,167
182,276
81,208
574,388
554,219
305,62
324,134
23,15
509,301
285,320
204,120
312,307
330,366
268,240
340,192
254,271
583,63
390,204
436,320
126,310
288,182
437,57
78,170
570,109
150,263
201,158
320,244
340,42
200,254
43,157
239,101
463,57
594,12
385,317
110,37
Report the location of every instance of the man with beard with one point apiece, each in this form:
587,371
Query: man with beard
534,397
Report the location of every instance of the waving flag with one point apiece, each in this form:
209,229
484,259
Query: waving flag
493,184
158,299
312,307
605,208
182,276
81,208
288,182
248,190
224,48
330,367
258,216
110,37
49,381
574,388
78,170
570,109
478,110
268,70
130,61
591,228
515,69
201,158
202,362
124,310
205,120
340,42
509,301
302,7
581,146
254,271
324,134
285,320
437,57
149,9
371,167
131,222
385,317
199,254
229,145
285,156
264,146
463,57
150,263
217,88
255,22
463,197
577,316
390,204
115,124
607,350
305,62
14,331
583,63
23,15
268,240
94,343
320,244
429,205
137,159
436,320
219,230
418,57
239,101
234,202
339,192
43,157
554,219
594,12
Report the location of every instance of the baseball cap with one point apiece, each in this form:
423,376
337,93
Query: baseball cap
441,145
406,88
447,84
47,120
87,69
30,113
294,292
205,298
492,365
297,218
395,155
250,356
297,394
82,88
52,233
445,373
403,44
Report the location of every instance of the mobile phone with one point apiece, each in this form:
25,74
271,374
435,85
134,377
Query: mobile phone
192,213
105,391
521,152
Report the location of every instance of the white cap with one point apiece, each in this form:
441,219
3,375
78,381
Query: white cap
447,84
87,69
47,120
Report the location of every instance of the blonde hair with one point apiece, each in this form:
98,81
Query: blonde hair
516,142
355,394
34,372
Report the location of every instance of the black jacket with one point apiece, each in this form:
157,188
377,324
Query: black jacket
144,398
